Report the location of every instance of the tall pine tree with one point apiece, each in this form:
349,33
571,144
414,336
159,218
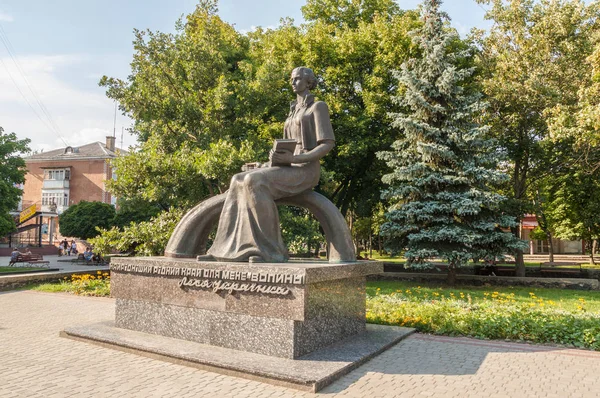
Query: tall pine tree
443,167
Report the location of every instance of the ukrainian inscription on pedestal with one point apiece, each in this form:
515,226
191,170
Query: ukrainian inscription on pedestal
285,310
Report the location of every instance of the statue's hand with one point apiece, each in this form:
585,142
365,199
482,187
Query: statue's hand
282,157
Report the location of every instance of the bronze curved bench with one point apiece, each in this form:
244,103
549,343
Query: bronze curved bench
190,236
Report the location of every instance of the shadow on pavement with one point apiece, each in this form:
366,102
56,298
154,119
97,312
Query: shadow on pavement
434,355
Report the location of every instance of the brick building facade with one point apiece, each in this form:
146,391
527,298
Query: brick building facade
58,179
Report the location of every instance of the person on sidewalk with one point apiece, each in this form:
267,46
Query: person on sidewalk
88,255
14,257
73,248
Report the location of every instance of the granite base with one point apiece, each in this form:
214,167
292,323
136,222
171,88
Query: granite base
286,310
311,372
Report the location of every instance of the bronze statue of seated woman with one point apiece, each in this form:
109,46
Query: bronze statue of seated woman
248,227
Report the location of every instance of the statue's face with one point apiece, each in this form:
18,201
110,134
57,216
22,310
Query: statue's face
299,82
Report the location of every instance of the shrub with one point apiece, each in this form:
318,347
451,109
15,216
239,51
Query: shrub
148,238
82,220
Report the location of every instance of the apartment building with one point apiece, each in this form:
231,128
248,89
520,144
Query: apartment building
56,180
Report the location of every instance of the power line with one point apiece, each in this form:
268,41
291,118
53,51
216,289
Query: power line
24,97
8,45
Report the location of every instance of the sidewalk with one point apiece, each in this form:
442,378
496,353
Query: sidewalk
35,362
61,263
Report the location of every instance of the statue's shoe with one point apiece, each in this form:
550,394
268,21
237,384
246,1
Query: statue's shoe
255,259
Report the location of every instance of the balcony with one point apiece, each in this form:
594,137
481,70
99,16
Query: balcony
55,184
54,209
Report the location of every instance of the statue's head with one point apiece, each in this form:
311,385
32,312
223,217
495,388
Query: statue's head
303,78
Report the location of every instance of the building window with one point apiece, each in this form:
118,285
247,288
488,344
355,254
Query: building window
542,246
58,175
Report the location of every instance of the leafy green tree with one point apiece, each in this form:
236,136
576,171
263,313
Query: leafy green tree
443,167
531,67
207,99
146,238
12,173
300,230
538,234
186,97
580,121
81,220
353,46
575,207
365,229
134,211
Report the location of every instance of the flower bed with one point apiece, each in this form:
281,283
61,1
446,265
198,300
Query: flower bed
83,285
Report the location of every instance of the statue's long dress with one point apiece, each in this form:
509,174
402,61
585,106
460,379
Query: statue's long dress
249,222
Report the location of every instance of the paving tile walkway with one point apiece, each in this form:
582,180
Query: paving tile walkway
36,362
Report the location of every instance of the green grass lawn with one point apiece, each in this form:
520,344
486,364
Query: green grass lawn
558,298
565,317
8,270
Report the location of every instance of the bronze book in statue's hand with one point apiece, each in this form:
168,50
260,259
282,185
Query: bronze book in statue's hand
283,146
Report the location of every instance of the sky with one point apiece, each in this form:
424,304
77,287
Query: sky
53,53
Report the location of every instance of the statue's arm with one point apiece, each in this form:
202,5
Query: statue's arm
314,154
325,137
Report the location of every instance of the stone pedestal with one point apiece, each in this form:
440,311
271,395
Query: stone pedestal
283,310
298,324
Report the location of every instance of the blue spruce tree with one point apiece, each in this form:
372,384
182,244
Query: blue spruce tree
443,169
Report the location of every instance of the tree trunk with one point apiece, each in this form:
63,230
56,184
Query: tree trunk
370,240
351,227
594,247
519,179
519,262
452,274
211,191
550,248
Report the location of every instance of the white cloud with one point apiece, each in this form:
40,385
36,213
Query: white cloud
4,17
83,115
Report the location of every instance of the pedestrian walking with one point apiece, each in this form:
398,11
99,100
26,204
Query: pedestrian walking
73,248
